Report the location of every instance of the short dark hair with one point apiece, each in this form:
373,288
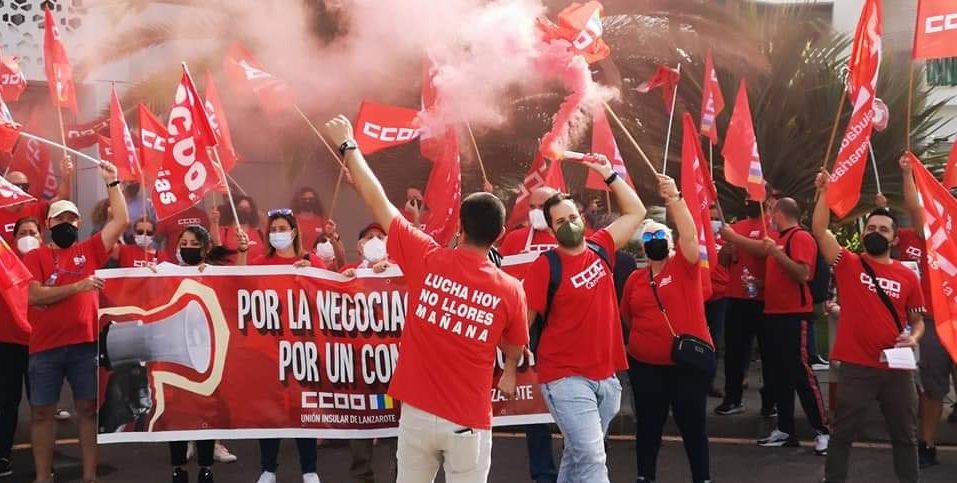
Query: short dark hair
883,212
550,203
24,221
483,218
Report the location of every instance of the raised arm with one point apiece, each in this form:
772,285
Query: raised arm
632,209
65,190
339,130
826,241
115,227
910,194
678,209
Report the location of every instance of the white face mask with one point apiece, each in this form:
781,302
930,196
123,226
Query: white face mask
325,250
27,244
374,250
536,218
143,240
281,240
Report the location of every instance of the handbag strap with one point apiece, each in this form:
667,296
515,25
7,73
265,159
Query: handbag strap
882,294
654,290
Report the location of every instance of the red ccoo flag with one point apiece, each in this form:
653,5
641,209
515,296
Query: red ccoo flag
742,163
32,158
579,24
246,75
12,82
217,119
940,233
864,65
152,137
950,173
380,126
443,192
59,72
697,190
603,142
541,173
14,278
712,101
666,78
124,151
105,148
12,195
935,35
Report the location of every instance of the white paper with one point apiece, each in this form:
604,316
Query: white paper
899,358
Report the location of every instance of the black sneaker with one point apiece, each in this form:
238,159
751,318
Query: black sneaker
180,476
729,408
205,476
5,468
769,413
926,455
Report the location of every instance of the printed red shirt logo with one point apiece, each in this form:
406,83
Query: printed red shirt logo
590,276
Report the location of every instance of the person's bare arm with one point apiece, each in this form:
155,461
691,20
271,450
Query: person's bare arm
632,209
750,245
40,295
214,234
911,200
827,243
65,189
798,272
339,130
115,227
506,383
917,327
678,209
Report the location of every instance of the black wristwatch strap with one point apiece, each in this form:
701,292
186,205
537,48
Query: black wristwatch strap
113,183
348,145
611,179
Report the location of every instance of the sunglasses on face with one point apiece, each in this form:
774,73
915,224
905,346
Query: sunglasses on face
656,235
279,212
143,232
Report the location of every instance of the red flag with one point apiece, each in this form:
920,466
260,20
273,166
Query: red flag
712,101
12,82
429,145
380,126
666,78
79,136
59,72
443,192
32,158
105,149
698,195
579,24
935,35
940,231
742,163
123,149
152,137
217,119
950,173
187,173
9,134
245,75
848,173
14,278
603,142
541,173
12,195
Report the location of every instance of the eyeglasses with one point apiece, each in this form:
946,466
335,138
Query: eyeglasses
657,235
143,232
279,212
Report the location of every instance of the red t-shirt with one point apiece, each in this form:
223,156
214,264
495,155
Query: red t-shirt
311,228
865,327
10,216
73,319
314,260
257,245
784,295
719,276
461,306
170,228
751,228
133,256
679,288
518,241
12,331
583,334
912,248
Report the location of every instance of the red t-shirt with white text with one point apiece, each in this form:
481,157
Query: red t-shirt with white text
750,228
783,294
582,336
134,256
518,241
912,248
461,306
73,319
866,327
10,216
170,228
679,288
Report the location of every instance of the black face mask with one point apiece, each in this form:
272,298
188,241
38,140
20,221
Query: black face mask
308,205
657,250
246,217
875,244
64,235
191,255
752,209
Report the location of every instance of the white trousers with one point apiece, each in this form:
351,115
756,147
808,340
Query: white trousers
426,441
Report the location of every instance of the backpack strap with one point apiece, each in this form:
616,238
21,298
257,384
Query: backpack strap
882,294
601,252
787,251
554,280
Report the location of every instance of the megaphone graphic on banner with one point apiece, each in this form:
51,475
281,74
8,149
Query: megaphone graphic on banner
182,338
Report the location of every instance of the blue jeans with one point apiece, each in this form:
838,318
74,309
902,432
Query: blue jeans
541,461
76,363
583,409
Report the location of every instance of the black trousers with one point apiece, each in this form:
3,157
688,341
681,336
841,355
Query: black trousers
13,373
269,454
204,452
658,389
743,322
790,367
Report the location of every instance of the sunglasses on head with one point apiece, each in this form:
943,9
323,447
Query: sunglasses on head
279,212
656,235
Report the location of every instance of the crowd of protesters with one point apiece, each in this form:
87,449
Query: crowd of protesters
586,309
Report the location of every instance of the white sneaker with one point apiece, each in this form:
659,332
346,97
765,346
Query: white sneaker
820,444
778,439
310,478
222,455
267,477
61,415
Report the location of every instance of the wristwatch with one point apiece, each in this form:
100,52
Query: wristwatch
611,178
348,145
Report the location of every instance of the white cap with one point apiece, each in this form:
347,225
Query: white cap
62,206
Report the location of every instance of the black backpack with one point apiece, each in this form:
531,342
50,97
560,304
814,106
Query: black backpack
820,284
554,280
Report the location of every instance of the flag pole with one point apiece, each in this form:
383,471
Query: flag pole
717,201
65,148
233,180
671,120
837,120
910,101
335,193
631,138
764,225
478,155
318,134
229,192
877,176
59,111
